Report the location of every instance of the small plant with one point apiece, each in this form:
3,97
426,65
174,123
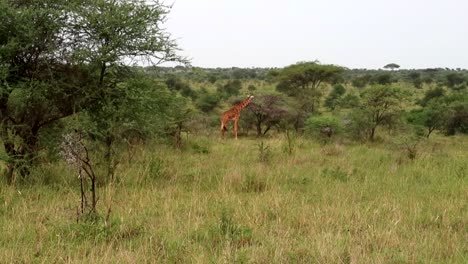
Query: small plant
290,141
230,230
410,147
332,150
76,154
253,184
410,144
336,174
323,127
199,148
411,150
263,152
156,169
251,87
225,230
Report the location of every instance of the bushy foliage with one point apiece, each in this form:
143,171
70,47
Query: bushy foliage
431,94
457,120
335,96
432,116
361,81
207,101
231,88
323,126
380,105
383,79
176,84
265,112
64,57
296,78
455,80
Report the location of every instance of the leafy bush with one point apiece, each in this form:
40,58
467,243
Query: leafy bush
253,184
335,174
263,152
323,127
380,105
335,96
207,101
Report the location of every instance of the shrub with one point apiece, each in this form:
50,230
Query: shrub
323,127
263,152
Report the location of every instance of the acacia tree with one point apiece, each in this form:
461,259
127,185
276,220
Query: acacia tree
61,57
335,96
106,33
265,113
380,105
302,81
37,85
392,66
432,116
454,80
457,120
304,76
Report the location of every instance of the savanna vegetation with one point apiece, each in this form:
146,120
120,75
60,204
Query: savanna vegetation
106,161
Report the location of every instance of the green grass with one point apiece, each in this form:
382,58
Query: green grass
217,202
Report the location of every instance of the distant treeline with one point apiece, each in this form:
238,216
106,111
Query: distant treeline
358,77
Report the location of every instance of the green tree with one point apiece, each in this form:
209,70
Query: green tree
306,76
36,89
333,99
392,66
349,101
432,116
231,88
176,84
361,81
302,81
61,57
323,127
383,79
415,78
453,80
105,34
265,112
431,94
457,121
380,105
207,101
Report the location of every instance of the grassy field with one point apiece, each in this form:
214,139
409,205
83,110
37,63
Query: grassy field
229,202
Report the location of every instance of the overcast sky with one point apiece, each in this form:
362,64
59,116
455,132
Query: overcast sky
350,33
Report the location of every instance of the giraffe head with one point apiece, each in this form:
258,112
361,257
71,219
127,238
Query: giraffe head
249,98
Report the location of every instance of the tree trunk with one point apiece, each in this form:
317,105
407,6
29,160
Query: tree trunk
259,129
9,173
429,132
266,130
108,156
372,133
93,193
178,136
20,158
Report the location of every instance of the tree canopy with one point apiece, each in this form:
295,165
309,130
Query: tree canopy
306,75
61,57
392,66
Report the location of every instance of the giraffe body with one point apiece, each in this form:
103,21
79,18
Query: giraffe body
233,114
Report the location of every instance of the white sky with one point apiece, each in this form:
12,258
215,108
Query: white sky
351,33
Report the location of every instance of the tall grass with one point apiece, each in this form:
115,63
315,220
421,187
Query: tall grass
216,201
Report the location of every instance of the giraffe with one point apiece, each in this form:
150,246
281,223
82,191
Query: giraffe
233,114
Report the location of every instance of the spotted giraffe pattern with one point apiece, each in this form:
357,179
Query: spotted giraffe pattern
233,114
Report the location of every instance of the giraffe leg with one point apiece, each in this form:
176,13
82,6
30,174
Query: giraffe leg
222,129
236,122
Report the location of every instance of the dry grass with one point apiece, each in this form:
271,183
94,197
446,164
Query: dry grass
320,204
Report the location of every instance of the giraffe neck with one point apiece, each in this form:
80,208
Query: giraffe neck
243,104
